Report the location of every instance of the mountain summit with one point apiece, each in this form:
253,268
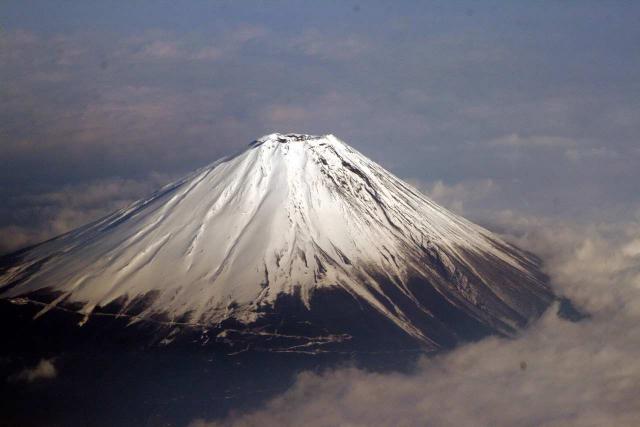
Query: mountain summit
297,237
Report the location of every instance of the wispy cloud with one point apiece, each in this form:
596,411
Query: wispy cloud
324,45
37,217
515,140
454,196
418,94
44,370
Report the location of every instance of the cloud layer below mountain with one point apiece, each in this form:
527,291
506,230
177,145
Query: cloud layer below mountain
557,373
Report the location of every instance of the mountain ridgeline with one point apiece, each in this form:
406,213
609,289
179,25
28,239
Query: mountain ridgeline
297,244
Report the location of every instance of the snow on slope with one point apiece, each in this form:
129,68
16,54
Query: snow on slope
290,214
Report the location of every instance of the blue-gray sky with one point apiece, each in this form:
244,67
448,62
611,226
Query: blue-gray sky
531,107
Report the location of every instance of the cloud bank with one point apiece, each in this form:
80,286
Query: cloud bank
44,370
557,373
34,218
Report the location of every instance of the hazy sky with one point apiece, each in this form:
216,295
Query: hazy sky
532,107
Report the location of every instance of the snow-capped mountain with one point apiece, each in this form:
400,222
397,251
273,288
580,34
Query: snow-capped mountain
297,235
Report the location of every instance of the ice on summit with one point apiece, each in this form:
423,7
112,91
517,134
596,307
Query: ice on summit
289,215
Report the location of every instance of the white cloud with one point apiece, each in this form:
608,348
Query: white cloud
330,107
516,140
247,32
44,370
577,155
161,49
169,47
210,53
320,44
557,373
454,196
57,212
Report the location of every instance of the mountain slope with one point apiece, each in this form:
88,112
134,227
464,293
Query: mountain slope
295,218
